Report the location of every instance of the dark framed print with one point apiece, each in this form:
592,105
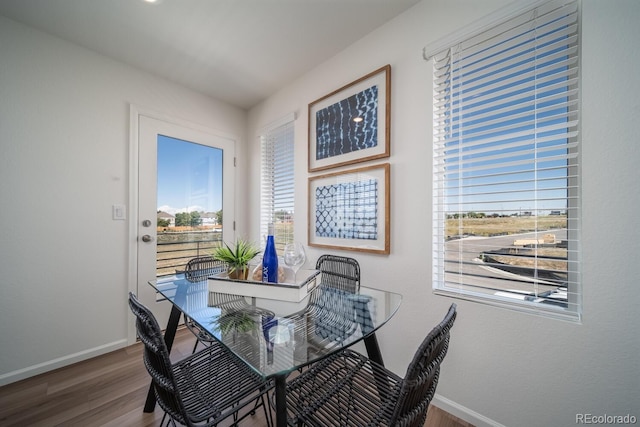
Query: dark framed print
350,210
351,124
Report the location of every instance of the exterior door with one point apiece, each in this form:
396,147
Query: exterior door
185,182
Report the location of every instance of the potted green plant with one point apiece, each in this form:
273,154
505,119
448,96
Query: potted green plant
237,257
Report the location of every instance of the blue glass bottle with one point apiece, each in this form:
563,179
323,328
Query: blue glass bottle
270,259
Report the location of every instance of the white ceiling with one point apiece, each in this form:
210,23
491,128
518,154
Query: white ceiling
237,51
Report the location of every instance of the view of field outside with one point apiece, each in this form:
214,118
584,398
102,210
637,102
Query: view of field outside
515,255
492,226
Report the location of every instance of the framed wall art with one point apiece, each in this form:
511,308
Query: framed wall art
350,210
351,124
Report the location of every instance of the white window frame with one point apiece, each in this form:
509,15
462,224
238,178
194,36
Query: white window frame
277,179
452,150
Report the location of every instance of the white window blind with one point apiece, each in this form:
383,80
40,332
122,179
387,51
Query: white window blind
277,179
506,163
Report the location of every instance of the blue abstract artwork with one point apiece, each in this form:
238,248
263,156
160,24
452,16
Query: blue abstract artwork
349,125
347,210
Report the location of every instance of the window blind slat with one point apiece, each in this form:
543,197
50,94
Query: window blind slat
510,96
514,50
538,19
505,83
501,143
496,117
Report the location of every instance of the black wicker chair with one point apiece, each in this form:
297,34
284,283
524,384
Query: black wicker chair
348,389
331,317
202,389
197,270
200,268
339,272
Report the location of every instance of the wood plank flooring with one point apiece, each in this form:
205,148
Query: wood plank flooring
110,390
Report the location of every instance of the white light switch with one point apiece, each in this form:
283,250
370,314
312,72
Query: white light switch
119,212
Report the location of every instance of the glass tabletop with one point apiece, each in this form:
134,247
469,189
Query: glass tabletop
276,337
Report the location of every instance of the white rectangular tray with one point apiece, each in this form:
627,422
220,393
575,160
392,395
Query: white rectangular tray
293,292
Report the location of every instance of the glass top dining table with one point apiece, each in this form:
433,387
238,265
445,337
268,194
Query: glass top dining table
276,337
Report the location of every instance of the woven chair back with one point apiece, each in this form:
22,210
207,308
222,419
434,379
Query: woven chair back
200,268
339,272
156,360
421,379
333,313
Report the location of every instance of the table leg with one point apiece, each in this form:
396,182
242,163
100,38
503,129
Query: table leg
373,349
374,353
281,400
363,317
169,335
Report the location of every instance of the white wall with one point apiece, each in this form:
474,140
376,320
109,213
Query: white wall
504,367
64,160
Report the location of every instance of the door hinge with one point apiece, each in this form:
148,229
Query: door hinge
234,226
234,161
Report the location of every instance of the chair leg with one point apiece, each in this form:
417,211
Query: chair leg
170,420
260,401
266,407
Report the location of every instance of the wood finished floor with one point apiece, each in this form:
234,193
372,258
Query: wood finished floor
110,390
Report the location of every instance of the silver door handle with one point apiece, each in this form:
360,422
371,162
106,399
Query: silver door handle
146,238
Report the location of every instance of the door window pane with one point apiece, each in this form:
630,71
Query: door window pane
189,202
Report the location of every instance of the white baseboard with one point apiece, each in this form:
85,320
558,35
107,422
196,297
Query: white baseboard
30,371
463,412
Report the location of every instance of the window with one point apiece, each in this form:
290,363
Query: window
277,179
506,162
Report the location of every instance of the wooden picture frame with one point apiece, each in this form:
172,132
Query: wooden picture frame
351,124
350,210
